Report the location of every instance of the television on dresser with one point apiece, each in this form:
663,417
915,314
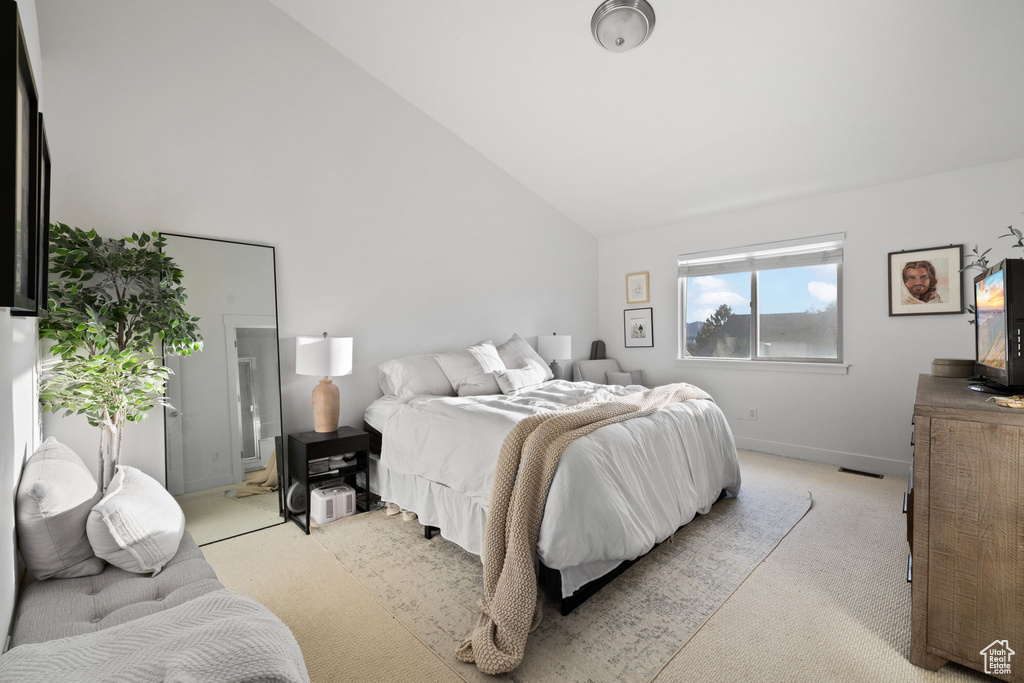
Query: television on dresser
998,323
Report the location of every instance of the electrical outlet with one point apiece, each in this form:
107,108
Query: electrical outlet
216,456
752,414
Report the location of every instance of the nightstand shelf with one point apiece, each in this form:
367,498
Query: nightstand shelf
306,446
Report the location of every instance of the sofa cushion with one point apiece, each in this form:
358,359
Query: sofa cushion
217,637
138,525
69,607
595,371
55,495
633,377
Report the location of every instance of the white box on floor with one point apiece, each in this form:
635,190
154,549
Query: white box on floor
331,503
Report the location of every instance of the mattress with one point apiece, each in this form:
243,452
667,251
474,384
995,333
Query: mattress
616,493
379,411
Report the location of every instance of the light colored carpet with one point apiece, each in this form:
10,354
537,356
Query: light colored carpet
215,514
345,635
624,633
831,602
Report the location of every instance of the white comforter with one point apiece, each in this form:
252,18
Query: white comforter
617,491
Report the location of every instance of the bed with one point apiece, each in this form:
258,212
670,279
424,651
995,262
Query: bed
616,493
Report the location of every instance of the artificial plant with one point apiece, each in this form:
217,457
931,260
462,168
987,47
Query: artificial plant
979,259
109,301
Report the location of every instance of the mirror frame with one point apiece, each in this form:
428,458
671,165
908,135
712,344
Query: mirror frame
278,440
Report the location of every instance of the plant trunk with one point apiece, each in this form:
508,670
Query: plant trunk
110,447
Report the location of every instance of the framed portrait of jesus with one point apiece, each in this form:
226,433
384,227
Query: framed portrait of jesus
926,281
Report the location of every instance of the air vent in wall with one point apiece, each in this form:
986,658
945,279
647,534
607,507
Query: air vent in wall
863,474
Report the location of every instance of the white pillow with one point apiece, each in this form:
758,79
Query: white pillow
137,526
513,382
633,377
54,498
516,351
471,370
413,376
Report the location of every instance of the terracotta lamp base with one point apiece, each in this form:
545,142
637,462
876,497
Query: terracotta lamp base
326,406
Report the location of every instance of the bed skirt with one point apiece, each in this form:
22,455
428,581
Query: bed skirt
461,520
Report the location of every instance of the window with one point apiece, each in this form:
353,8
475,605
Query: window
768,302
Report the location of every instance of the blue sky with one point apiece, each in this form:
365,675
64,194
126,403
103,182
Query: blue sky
784,290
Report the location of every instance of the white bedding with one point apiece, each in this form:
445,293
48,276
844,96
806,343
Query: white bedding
616,493
379,411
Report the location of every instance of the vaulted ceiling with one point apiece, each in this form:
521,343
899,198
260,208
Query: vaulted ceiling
730,103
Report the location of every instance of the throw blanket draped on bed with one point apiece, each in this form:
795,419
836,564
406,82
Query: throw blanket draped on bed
215,637
510,608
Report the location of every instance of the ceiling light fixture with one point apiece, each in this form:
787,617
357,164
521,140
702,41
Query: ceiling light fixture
620,25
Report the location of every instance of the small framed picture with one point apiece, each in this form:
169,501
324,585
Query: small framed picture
638,327
926,281
637,288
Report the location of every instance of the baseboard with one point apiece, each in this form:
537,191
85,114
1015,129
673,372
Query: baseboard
209,483
855,461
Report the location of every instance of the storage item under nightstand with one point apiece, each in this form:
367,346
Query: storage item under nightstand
306,446
331,503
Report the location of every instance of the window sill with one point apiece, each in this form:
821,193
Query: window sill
783,366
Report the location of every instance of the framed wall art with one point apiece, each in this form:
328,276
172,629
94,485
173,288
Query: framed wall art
638,327
926,281
637,288
21,262
43,222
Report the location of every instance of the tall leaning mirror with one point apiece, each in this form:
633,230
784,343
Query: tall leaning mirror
223,433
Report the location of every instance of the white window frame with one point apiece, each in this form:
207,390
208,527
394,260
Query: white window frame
754,258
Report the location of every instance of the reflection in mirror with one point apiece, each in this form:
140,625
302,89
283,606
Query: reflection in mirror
223,434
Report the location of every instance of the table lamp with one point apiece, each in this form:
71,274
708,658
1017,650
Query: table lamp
554,346
324,357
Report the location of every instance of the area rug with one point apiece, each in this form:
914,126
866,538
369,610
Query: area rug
624,633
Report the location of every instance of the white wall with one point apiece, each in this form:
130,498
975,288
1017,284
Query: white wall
861,419
19,437
230,120
19,412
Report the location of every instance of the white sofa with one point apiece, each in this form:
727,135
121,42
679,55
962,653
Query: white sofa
84,620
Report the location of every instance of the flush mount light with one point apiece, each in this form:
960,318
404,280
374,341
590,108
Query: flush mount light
620,25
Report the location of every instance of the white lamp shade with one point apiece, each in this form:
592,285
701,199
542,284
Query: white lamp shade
323,356
554,346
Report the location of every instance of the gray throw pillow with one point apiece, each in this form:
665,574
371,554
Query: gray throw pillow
55,495
626,378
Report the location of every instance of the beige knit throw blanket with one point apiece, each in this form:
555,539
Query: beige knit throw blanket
260,482
510,608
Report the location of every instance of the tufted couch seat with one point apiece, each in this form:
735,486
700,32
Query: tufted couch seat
56,608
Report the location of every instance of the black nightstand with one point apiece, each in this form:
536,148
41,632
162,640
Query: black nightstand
307,446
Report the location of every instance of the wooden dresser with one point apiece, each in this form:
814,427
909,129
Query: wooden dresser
968,527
